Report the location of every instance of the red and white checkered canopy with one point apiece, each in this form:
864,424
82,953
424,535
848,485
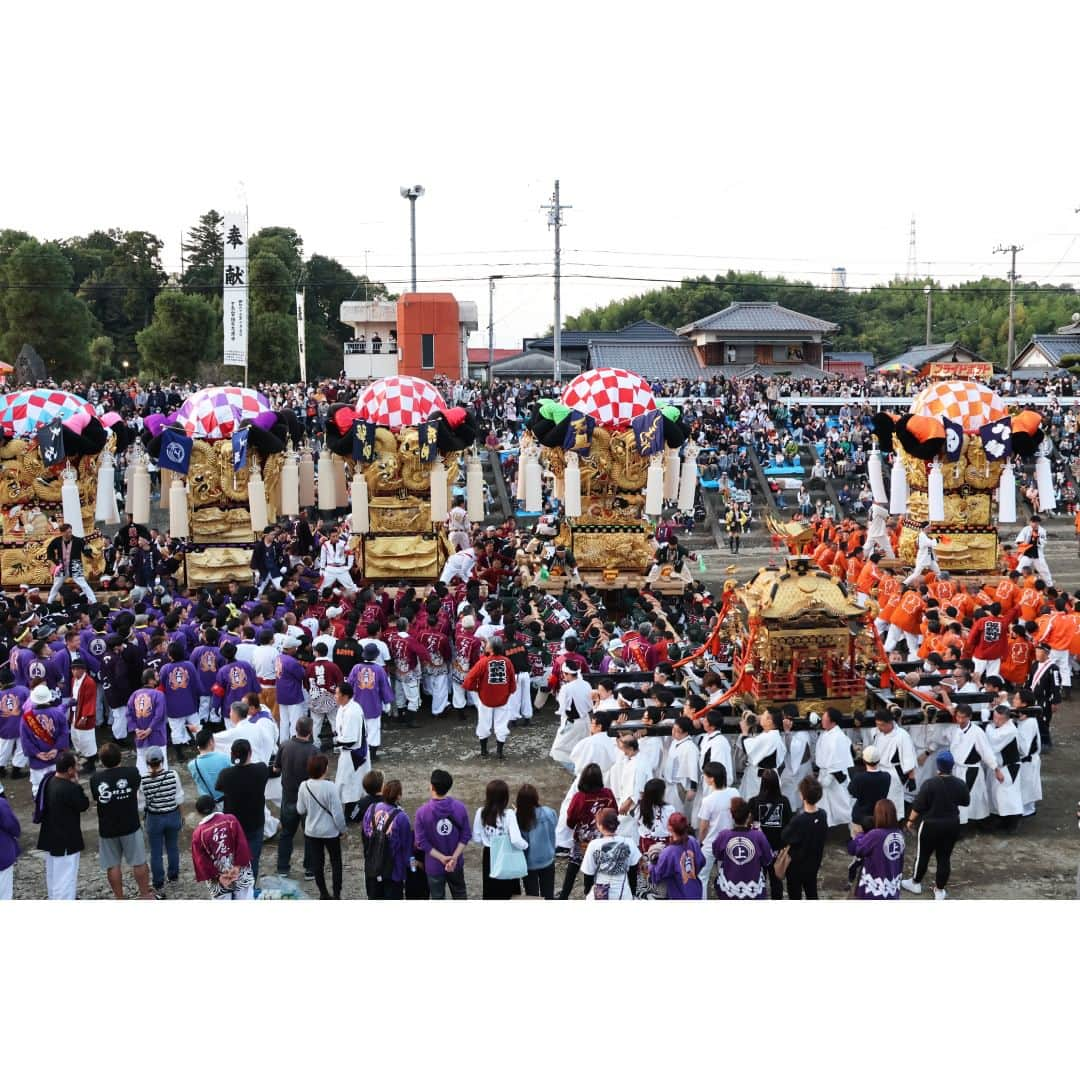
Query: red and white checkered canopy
399,401
217,411
23,412
611,396
969,404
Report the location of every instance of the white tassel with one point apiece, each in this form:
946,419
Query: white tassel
937,493
1007,495
520,494
688,481
474,489
559,489
341,484
289,486
654,487
877,477
105,509
69,499
439,508
360,518
256,501
534,487
140,499
671,475
178,509
307,479
165,477
573,486
1044,481
898,482
327,496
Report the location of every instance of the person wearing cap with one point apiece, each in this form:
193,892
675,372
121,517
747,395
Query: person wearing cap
866,787
372,693
12,700
146,719
1044,682
115,788
59,805
43,733
83,719
66,553
290,676
936,810
163,794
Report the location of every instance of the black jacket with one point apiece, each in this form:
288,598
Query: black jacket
61,831
55,551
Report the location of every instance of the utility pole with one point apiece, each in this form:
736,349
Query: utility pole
929,290
492,278
412,194
1011,249
555,209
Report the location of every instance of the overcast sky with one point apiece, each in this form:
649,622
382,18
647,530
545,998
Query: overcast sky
688,138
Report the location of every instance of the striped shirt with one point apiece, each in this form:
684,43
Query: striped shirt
162,792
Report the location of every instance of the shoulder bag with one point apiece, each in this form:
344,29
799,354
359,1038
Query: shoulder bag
507,862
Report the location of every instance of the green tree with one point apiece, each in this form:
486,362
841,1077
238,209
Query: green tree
279,240
38,307
271,284
102,350
180,337
272,352
204,255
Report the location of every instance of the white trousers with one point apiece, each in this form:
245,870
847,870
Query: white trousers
436,682
495,720
62,876
7,883
706,871
84,743
37,775
337,575
58,580
989,667
407,692
287,717
178,728
463,697
895,634
522,700
11,753
1063,659
1038,565
118,723
204,710
246,893
275,581
922,564
373,726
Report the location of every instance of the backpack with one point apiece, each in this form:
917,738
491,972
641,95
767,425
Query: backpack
380,852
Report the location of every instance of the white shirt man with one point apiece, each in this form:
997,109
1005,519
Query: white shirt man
681,770
925,557
1032,535
575,704
834,759
713,816
460,564
627,781
970,750
877,532
1027,730
335,562
713,746
897,758
764,751
349,730
1006,794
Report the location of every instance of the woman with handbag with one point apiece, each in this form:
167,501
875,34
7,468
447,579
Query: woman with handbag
610,861
679,865
319,804
880,855
497,829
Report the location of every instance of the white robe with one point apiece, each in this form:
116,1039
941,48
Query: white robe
627,780
1031,768
713,748
758,748
877,532
832,754
1005,795
798,766
578,693
594,750
972,742
348,734
680,768
928,739
896,749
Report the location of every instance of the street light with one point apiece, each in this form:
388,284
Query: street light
412,194
492,278
929,309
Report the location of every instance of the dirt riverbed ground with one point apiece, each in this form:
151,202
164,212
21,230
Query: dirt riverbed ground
1040,861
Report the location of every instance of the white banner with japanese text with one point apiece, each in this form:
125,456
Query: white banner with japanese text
236,290
300,336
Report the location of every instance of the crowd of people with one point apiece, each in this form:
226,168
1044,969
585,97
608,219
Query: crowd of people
273,697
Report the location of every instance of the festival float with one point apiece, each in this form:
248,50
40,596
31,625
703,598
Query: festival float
954,453
242,471
56,467
395,455
614,456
